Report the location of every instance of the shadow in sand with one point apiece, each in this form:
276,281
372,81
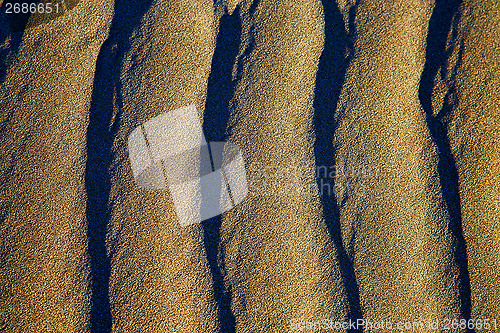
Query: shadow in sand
219,93
330,77
441,25
15,37
16,18
19,23
103,125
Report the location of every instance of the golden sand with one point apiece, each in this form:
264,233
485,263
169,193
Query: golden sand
399,98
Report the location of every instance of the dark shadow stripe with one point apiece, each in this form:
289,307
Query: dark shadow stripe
17,21
101,131
215,125
329,80
8,56
441,25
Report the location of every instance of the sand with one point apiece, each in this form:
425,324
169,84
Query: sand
370,135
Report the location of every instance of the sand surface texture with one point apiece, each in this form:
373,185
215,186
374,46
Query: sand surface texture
370,132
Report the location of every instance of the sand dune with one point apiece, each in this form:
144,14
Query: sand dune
370,135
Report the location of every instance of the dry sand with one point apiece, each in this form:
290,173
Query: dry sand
399,98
